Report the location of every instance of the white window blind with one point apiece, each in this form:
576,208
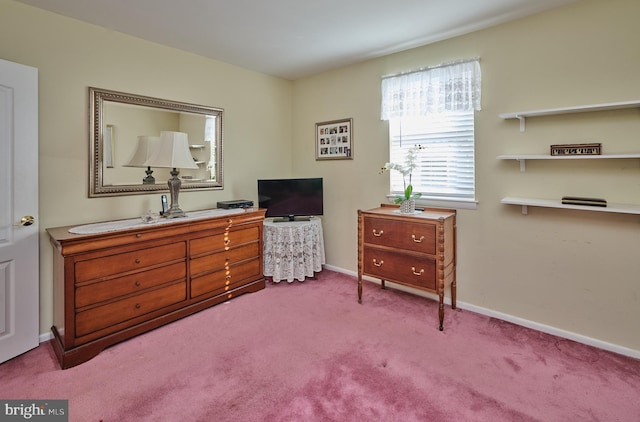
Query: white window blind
446,164
210,138
434,107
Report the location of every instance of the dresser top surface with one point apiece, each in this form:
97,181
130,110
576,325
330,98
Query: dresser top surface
117,227
388,210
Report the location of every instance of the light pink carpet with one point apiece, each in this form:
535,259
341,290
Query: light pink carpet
309,352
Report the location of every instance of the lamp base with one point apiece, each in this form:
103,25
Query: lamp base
174,213
174,189
149,180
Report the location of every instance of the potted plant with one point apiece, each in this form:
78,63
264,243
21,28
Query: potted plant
407,201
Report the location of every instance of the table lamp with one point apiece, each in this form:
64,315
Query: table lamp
173,152
144,150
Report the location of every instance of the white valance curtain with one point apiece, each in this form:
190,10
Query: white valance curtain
448,87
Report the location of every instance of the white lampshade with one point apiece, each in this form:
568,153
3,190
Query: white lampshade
172,152
144,150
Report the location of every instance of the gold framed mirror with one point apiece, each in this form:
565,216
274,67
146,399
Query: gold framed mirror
118,120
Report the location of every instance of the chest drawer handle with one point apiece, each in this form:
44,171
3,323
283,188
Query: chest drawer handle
226,242
137,283
377,234
138,235
378,264
137,260
413,236
413,269
137,306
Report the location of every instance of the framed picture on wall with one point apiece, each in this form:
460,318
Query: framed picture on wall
334,140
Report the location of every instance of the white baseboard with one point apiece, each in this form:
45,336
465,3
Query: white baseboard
509,318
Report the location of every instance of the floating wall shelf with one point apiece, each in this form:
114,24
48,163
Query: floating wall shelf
522,158
522,115
548,203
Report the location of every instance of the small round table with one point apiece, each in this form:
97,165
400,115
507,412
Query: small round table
293,250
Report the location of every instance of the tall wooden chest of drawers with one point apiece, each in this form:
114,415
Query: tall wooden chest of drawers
111,286
415,250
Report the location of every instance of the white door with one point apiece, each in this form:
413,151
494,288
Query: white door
19,273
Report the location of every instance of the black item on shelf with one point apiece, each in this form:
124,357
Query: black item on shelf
577,200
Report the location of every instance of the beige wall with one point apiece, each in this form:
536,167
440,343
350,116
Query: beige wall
575,271
72,56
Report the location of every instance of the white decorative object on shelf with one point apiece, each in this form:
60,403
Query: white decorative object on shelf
523,157
548,203
522,115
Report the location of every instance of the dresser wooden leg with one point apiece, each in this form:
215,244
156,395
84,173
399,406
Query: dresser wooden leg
441,311
453,294
359,289
382,285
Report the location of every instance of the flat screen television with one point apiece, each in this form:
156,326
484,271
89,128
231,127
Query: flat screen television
291,199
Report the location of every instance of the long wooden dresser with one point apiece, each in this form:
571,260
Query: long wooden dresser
415,250
115,284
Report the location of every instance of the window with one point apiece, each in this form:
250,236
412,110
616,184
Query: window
210,139
446,158
434,108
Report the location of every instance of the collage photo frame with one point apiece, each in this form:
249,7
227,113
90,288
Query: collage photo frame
334,140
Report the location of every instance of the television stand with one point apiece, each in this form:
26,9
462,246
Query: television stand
293,250
291,218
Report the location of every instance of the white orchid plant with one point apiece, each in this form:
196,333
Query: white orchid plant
406,170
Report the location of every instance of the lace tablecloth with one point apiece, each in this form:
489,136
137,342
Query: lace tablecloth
293,250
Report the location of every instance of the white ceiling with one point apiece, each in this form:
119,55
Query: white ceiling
295,38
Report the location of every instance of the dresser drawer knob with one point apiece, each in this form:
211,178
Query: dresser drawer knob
137,283
138,235
137,306
413,269
227,241
376,233
137,260
378,264
413,236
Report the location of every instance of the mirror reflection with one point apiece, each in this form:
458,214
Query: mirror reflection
124,127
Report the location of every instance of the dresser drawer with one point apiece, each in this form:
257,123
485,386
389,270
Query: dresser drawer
115,264
109,289
419,237
219,260
415,270
223,241
114,313
224,280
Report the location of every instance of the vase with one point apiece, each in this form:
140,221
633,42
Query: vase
408,206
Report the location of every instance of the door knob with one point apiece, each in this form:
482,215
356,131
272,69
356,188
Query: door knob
27,220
